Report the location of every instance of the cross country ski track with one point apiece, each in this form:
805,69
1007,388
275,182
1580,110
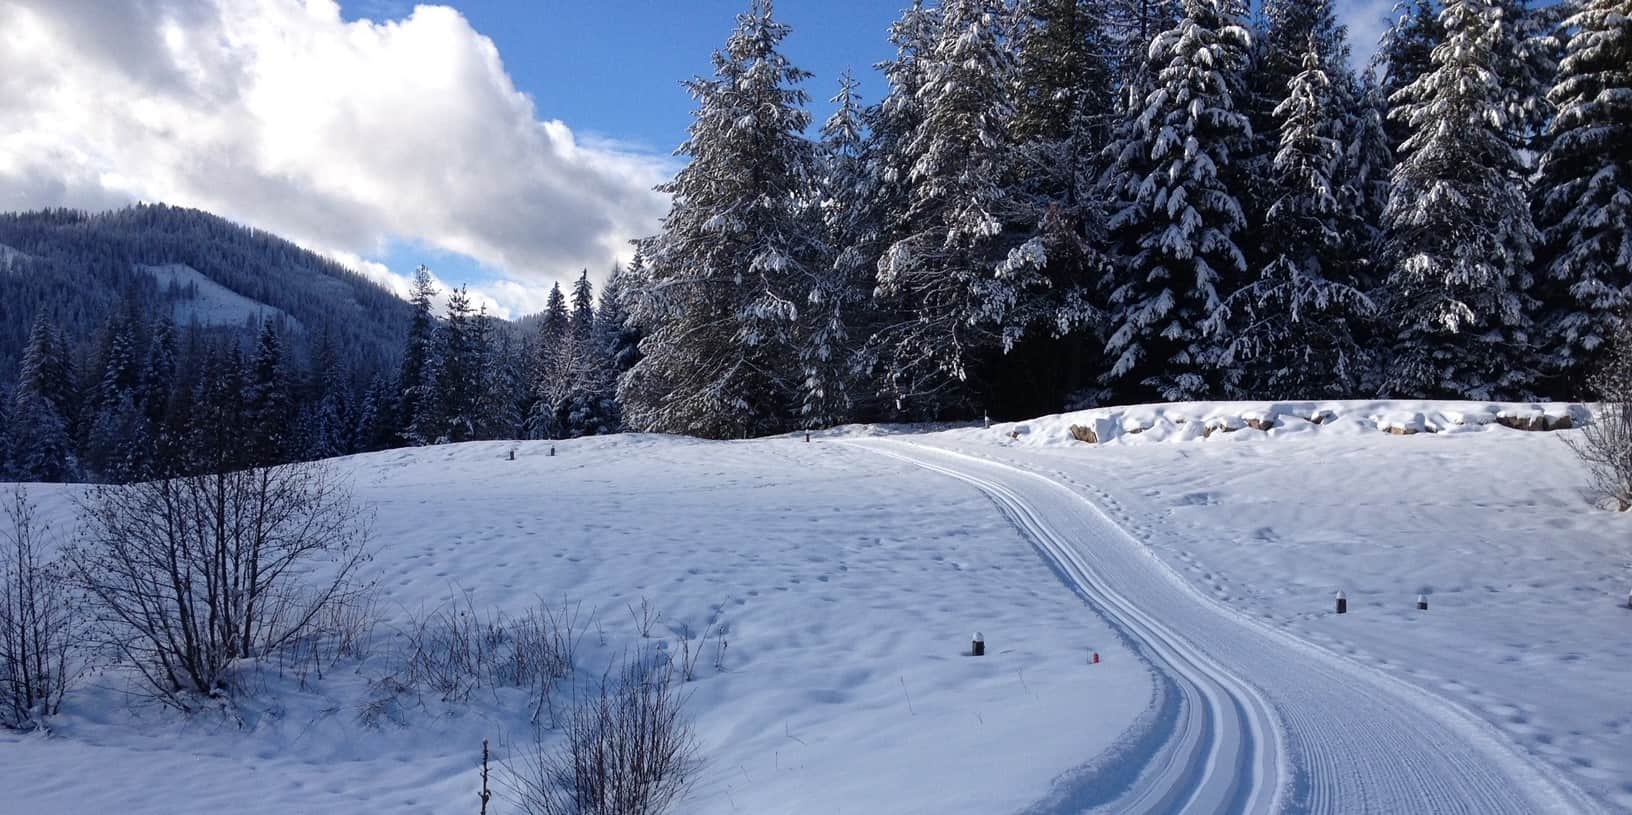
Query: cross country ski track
1266,722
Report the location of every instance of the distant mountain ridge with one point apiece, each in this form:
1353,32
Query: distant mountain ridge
78,267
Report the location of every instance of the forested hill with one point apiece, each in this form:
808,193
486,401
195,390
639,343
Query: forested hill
77,269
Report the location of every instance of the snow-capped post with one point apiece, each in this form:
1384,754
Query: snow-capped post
1342,602
986,420
978,646
1422,602
552,450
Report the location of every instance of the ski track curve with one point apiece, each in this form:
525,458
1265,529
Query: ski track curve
1268,723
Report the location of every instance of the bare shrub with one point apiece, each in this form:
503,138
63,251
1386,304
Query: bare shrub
39,626
645,617
188,576
455,650
628,749
1605,445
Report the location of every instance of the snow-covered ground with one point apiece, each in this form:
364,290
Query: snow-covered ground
845,584
1526,583
211,304
846,576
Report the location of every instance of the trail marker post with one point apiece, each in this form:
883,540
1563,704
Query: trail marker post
1342,603
977,647
1422,602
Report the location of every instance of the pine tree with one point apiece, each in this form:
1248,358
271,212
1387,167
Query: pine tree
218,442
1364,175
159,371
1585,208
549,374
504,387
1295,327
1063,118
721,310
964,267
620,339
1459,232
116,438
1405,55
1176,219
1278,58
840,288
413,384
1134,25
450,413
267,405
36,434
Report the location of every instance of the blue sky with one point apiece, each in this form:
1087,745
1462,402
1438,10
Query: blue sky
505,143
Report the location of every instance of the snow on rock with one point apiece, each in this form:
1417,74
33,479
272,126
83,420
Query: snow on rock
1245,421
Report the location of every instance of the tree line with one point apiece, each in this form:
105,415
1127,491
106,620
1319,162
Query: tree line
150,400
1075,202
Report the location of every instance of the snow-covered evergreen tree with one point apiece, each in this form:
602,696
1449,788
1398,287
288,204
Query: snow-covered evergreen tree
1294,329
413,384
450,413
1133,25
1459,233
729,270
267,408
36,433
620,339
1585,206
1365,172
548,376
1404,55
1278,57
1175,220
964,264
1065,110
841,286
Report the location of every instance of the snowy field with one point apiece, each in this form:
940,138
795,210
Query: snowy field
846,576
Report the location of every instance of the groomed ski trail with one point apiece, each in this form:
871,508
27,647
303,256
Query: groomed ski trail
1269,723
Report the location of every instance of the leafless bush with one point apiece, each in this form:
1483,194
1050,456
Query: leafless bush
645,617
455,650
452,650
343,631
188,576
1605,445
39,626
628,749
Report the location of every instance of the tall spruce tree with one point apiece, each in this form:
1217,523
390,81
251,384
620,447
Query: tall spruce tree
449,415
1404,55
36,431
1585,206
840,288
549,380
413,382
964,264
1066,106
1459,233
267,405
1294,329
727,272
1175,219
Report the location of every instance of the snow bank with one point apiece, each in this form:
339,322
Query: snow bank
1246,421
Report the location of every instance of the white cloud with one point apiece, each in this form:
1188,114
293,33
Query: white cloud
342,136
